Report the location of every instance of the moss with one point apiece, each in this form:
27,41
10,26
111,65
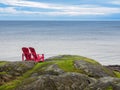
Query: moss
108,71
91,61
3,73
109,88
65,62
13,84
72,57
68,66
21,65
117,74
28,81
10,85
3,63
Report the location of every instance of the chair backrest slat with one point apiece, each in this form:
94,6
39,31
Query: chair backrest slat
26,53
33,52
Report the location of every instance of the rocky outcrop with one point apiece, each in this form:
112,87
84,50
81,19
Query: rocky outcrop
106,83
66,72
114,67
72,81
5,78
12,70
54,70
93,70
66,81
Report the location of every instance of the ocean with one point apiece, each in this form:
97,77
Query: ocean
99,40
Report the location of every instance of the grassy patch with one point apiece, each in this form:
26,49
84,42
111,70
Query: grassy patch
3,73
91,61
72,57
13,84
68,66
65,62
109,88
3,63
117,74
108,71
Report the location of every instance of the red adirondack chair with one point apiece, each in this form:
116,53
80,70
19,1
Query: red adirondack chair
26,54
36,57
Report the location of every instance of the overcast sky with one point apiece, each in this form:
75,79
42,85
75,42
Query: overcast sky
60,10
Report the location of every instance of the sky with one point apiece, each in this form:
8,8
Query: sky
80,10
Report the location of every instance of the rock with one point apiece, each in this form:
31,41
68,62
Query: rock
93,70
5,78
17,68
66,81
14,69
65,72
49,70
54,57
34,75
105,83
114,67
54,70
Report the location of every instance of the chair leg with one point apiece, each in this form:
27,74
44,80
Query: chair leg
22,57
42,58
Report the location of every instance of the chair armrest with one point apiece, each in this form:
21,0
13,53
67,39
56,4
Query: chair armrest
23,57
40,57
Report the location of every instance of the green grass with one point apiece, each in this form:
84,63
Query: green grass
109,88
68,66
117,74
72,57
3,73
3,63
65,62
108,71
13,84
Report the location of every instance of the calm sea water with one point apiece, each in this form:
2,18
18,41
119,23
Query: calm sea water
93,39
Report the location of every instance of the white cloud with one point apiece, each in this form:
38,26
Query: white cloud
8,10
116,2
59,9
24,3
82,11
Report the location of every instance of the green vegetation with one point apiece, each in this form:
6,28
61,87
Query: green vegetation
64,62
67,65
3,63
72,57
13,84
117,74
108,71
3,73
109,88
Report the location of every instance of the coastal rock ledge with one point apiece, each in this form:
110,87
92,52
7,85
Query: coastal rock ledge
64,72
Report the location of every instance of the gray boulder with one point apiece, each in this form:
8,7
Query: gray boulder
66,81
93,70
106,83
